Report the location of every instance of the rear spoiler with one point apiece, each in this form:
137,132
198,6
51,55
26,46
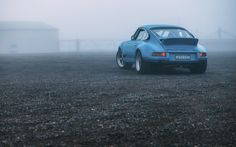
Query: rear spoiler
180,41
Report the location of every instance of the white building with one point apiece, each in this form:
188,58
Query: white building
28,37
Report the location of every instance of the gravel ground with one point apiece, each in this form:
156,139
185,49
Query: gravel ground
84,99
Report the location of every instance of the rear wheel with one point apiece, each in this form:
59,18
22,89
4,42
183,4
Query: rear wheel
199,68
140,65
120,61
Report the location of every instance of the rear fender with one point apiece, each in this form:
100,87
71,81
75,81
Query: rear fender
148,49
201,48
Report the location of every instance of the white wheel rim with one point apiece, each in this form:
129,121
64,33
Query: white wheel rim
119,60
138,63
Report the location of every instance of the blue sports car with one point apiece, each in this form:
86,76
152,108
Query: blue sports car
162,45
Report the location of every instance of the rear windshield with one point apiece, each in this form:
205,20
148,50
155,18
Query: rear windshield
172,33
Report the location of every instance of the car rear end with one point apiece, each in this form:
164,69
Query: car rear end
181,52
184,51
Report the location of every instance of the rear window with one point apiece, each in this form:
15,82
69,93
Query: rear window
172,33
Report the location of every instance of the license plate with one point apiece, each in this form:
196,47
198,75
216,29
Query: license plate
182,57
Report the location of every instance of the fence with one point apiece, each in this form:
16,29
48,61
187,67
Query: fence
88,45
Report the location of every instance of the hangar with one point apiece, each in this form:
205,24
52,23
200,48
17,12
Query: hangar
28,37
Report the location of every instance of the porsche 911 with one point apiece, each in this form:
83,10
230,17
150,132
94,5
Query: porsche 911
162,46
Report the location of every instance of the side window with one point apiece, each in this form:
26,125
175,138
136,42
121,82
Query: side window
140,35
143,35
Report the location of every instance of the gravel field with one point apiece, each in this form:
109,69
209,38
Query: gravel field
83,99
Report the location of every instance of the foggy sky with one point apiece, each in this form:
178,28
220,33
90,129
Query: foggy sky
118,19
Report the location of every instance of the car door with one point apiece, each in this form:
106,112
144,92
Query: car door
132,45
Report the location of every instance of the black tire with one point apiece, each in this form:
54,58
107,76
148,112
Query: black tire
199,68
141,66
120,61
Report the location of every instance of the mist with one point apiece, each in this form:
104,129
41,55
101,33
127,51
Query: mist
112,19
103,24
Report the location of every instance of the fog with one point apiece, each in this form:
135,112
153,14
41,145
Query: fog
104,24
112,19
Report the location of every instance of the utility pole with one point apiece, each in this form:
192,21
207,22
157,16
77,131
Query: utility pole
219,31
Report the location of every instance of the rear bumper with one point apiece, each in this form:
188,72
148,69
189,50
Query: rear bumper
168,62
170,58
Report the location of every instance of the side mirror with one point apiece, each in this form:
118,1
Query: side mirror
132,37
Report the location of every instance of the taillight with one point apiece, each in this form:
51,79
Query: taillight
202,54
159,54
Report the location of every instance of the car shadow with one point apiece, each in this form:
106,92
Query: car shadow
169,71
161,71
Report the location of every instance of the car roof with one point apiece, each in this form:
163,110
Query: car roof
160,26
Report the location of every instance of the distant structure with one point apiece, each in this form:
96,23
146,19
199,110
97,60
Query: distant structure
226,34
28,37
